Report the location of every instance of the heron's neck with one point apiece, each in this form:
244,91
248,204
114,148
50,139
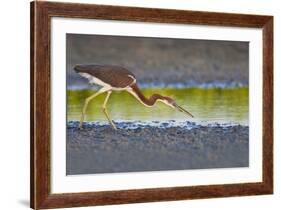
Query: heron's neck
146,101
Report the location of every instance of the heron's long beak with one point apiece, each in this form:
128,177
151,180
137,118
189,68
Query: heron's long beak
179,108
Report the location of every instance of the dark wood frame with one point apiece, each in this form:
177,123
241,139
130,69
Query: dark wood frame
41,14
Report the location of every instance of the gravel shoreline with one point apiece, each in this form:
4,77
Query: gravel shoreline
140,146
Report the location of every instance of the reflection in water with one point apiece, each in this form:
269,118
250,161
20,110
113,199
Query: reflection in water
207,105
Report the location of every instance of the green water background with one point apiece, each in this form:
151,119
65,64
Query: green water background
228,105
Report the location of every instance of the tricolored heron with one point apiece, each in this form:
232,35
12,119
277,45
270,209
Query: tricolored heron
116,78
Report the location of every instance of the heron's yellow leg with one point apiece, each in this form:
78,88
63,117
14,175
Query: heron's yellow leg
102,90
105,110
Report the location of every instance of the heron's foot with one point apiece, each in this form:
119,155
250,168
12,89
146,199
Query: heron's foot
80,127
113,125
108,118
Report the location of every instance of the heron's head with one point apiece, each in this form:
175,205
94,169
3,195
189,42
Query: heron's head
172,103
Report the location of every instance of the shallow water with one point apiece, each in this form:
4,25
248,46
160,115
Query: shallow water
229,105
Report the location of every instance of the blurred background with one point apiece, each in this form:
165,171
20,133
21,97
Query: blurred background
209,78
162,61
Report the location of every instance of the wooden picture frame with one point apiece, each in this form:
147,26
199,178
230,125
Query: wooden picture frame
41,14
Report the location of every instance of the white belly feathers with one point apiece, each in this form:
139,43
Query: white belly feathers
94,80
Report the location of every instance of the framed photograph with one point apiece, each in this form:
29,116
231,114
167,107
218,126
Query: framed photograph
141,105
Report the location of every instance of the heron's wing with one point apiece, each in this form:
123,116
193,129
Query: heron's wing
115,76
